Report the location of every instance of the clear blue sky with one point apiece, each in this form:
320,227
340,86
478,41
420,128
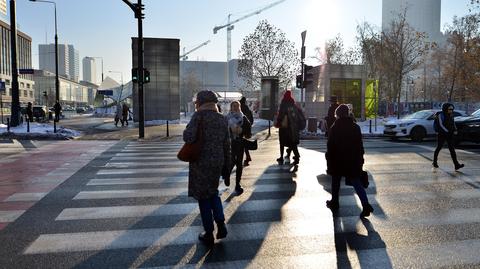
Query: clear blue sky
105,27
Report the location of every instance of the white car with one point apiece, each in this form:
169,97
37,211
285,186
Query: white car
416,126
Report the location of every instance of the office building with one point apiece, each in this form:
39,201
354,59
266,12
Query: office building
89,70
68,60
73,63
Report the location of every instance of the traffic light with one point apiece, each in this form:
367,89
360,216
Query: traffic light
308,75
135,75
45,94
299,82
146,76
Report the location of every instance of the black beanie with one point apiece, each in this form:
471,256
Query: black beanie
342,111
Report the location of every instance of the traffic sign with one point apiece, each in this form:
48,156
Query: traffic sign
25,71
105,92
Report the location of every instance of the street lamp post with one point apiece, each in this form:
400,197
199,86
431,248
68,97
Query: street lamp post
121,88
97,57
57,81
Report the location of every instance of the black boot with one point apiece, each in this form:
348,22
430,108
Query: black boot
435,164
206,238
333,205
221,230
459,165
367,209
280,160
296,160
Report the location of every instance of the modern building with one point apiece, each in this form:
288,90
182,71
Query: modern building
422,15
347,82
91,90
73,63
161,94
72,93
24,53
89,70
206,75
68,60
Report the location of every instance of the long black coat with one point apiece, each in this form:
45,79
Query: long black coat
345,149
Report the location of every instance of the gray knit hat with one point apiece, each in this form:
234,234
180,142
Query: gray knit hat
206,97
342,111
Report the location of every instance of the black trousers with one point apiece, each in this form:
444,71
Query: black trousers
237,158
441,138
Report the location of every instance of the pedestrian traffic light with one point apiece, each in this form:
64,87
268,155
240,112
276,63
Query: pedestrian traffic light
135,75
307,75
45,94
146,76
299,82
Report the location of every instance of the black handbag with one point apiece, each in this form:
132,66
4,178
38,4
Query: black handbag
250,144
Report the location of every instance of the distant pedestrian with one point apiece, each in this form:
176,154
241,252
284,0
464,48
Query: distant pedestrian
289,116
118,114
57,108
446,132
248,113
29,112
204,174
238,127
125,111
330,118
345,158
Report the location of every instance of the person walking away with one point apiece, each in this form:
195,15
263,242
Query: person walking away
345,158
446,132
118,114
125,111
330,118
238,127
288,124
30,112
248,113
204,174
58,109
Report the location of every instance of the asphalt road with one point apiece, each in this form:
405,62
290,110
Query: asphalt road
128,208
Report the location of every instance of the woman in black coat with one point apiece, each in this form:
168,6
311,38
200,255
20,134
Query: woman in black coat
345,158
288,119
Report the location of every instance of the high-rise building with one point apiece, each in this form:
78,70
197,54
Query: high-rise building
68,60
89,70
24,54
73,63
47,59
422,15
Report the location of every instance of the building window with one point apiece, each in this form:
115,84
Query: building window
28,85
7,82
22,85
31,94
25,93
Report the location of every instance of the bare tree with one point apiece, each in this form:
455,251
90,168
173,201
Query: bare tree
267,52
335,53
189,86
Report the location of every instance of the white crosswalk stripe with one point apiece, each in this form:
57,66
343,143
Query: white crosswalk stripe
278,208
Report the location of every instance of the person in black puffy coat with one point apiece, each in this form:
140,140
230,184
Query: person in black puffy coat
345,158
446,132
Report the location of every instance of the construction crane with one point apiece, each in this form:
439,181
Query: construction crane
184,56
230,24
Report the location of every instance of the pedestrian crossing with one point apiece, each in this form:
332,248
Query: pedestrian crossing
129,209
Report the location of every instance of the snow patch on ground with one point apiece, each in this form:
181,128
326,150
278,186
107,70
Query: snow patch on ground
39,130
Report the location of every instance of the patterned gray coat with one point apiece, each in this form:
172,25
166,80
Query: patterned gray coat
204,174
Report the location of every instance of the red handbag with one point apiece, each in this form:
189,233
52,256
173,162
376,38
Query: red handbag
190,152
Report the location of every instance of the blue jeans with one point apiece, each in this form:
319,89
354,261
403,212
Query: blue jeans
211,209
357,185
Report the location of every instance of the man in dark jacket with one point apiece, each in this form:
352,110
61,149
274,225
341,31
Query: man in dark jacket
330,118
58,109
446,132
345,158
248,113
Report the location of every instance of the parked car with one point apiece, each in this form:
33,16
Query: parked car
39,112
415,126
468,128
80,110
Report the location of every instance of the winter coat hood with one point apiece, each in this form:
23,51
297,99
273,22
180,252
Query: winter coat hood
445,107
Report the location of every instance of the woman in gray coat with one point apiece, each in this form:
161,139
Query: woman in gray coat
204,174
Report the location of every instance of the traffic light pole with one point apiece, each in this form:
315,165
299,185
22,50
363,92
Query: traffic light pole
137,9
15,104
302,56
